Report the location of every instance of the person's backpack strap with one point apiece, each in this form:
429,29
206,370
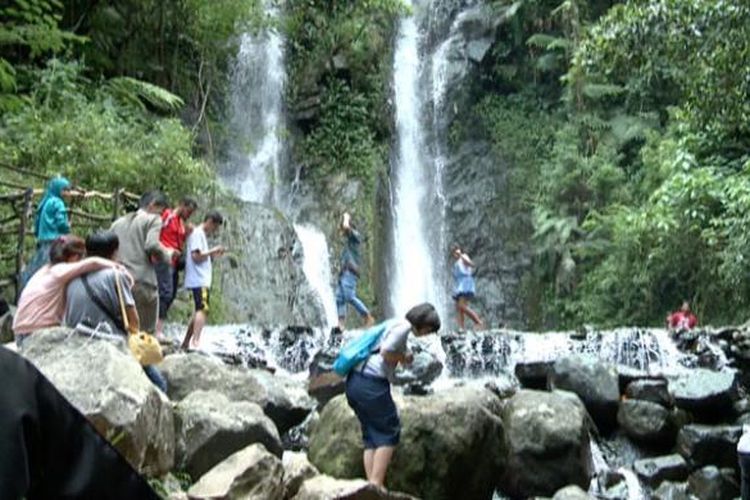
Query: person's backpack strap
96,300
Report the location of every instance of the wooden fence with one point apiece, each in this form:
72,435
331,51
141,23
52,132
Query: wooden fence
20,223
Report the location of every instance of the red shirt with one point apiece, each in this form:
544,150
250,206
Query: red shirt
172,231
683,319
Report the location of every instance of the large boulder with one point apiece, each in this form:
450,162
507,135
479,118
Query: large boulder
547,443
268,252
287,401
105,383
210,427
669,490
250,474
282,399
325,386
646,422
708,445
324,487
571,492
297,470
653,390
594,381
451,444
653,471
712,483
533,374
709,395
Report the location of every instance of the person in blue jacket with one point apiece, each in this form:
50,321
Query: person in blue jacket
51,222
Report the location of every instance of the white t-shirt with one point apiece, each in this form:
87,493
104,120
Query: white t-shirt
197,274
393,340
743,446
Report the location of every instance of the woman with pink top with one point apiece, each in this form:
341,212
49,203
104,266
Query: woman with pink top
42,302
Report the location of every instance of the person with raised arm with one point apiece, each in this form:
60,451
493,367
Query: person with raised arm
464,288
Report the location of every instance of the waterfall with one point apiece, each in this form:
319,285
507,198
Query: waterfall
317,269
258,153
413,280
257,115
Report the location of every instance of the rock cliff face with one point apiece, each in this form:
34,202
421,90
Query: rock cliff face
262,280
479,213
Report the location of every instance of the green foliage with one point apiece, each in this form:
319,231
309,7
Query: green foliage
73,128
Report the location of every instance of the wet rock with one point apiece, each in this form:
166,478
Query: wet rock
210,427
194,371
476,354
709,395
287,402
443,437
653,390
669,490
646,422
547,443
712,483
503,386
105,383
325,386
423,371
594,382
572,492
324,487
251,473
6,323
708,445
533,374
653,471
268,253
297,469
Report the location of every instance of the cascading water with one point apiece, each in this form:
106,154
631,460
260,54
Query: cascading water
319,276
413,279
257,157
258,115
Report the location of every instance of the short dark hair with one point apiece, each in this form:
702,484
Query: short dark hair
189,202
102,244
65,247
155,197
424,315
215,217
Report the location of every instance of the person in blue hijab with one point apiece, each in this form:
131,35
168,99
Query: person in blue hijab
50,223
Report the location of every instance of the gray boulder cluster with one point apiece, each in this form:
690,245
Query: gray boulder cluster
225,427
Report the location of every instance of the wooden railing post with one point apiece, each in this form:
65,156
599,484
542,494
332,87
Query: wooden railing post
25,215
116,203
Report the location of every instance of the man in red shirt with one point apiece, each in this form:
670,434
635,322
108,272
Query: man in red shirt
174,231
684,319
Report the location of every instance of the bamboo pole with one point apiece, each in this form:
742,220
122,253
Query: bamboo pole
25,213
116,195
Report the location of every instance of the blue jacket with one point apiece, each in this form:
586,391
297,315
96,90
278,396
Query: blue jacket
52,214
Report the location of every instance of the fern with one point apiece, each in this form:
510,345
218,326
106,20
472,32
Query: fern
139,93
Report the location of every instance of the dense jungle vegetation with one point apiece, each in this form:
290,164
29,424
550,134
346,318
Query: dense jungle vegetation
626,125
628,128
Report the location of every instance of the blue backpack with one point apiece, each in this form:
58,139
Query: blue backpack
359,348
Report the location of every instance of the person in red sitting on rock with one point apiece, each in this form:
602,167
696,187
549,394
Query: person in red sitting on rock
684,319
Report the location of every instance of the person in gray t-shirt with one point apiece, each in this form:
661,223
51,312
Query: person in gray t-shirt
80,308
368,390
100,304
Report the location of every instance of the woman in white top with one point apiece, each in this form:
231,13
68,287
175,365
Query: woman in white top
464,288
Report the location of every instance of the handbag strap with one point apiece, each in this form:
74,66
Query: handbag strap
96,300
122,302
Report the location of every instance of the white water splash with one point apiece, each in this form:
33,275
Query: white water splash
317,268
413,281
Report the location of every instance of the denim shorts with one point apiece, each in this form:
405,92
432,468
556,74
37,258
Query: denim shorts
370,398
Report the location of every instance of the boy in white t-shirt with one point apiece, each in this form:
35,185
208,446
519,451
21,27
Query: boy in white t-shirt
198,273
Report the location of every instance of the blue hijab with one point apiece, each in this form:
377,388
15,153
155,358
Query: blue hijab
55,187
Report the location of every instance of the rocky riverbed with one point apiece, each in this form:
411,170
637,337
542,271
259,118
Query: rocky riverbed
583,417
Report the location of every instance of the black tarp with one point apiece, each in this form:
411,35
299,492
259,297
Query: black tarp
48,450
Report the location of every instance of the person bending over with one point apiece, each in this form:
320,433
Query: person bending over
368,389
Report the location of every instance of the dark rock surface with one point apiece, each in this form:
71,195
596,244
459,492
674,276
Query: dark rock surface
709,445
653,471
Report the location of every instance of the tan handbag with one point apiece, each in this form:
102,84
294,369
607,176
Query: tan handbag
144,346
